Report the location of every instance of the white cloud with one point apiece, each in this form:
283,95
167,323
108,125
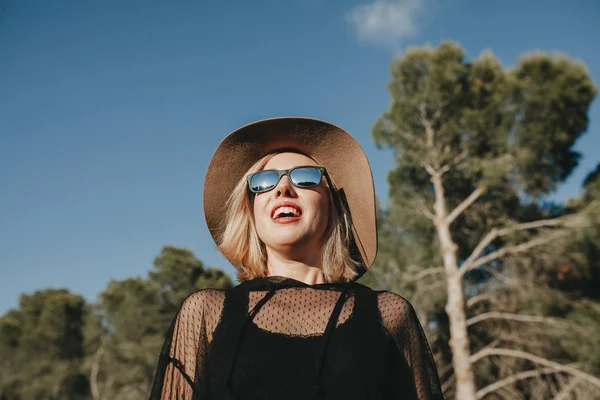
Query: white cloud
385,22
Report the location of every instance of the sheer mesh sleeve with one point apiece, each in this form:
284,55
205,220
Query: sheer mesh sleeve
182,361
400,319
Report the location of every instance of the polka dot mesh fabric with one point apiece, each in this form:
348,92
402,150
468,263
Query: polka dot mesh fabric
278,338
299,311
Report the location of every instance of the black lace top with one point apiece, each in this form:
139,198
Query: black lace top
279,338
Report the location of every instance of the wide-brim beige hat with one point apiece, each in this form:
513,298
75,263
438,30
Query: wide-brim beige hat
328,144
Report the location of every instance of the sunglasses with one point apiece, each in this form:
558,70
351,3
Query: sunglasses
302,177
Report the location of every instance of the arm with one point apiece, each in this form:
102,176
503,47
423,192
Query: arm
181,360
401,321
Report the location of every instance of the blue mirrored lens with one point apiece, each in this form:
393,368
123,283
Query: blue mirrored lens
306,177
264,180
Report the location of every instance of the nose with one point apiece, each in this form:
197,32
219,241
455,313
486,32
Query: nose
284,188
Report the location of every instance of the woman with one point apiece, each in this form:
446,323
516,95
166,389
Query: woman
290,203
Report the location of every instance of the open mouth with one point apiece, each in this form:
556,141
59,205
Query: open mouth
287,212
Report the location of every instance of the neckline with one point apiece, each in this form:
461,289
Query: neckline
279,281
317,335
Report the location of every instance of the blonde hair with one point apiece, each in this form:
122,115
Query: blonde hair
241,245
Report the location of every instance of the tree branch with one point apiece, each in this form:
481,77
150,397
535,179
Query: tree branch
513,250
512,317
464,205
408,136
94,374
594,306
448,383
536,359
422,207
472,262
435,286
430,170
444,169
564,392
480,297
512,379
496,233
442,371
428,127
570,221
455,161
423,274
499,277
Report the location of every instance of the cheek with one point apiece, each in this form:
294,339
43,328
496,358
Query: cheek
260,215
324,210
254,207
256,210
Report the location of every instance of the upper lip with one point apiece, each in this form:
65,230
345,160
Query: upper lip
285,204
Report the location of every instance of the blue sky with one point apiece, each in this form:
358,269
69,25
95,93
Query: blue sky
110,110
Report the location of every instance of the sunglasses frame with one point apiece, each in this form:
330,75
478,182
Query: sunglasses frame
287,172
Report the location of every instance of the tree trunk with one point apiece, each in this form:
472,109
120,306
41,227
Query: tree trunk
459,339
94,374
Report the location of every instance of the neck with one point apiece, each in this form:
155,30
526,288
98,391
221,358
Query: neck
306,269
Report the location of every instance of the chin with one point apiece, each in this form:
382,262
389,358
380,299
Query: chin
282,241
285,242
293,242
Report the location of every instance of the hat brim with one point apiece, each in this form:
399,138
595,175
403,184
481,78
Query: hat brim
328,144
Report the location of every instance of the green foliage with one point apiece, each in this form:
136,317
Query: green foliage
447,111
576,260
135,314
508,132
591,186
583,343
42,347
177,273
507,135
55,346
134,325
554,94
444,107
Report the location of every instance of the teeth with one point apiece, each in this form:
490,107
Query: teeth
285,210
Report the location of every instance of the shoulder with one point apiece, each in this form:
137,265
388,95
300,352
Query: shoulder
205,304
389,303
396,311
204,298
389,299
